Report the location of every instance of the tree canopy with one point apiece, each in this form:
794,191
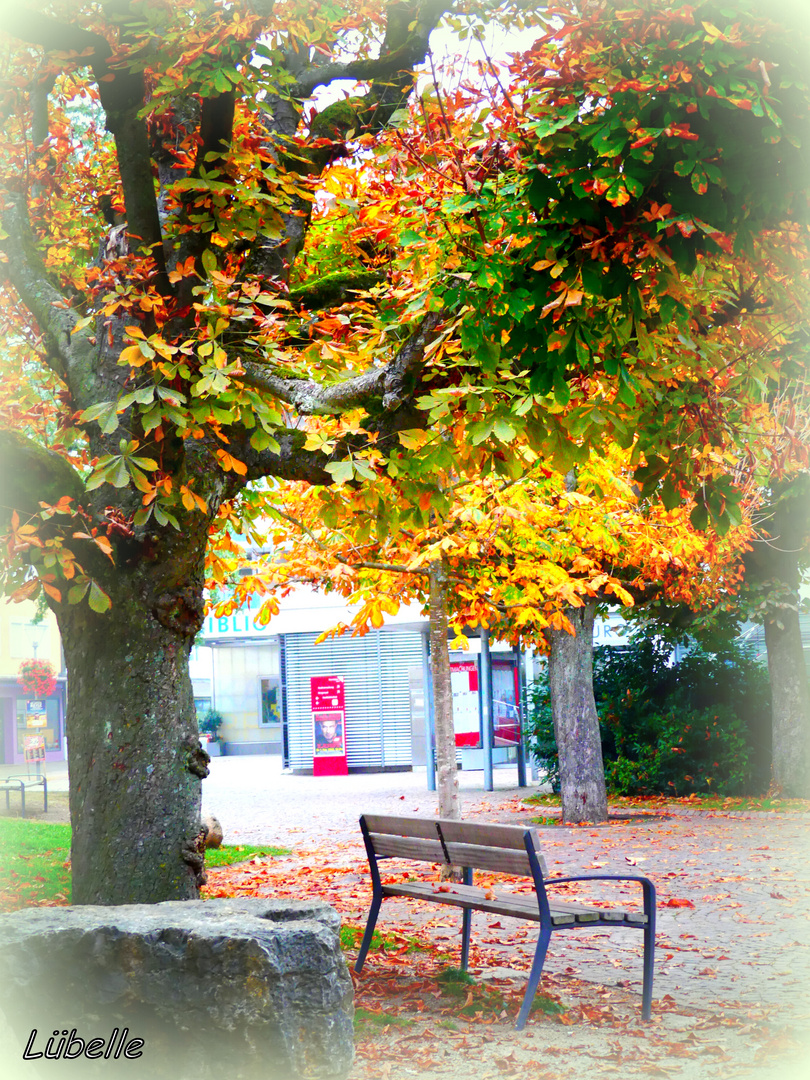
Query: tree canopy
601,240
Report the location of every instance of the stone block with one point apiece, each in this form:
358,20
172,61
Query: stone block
214,836
243,989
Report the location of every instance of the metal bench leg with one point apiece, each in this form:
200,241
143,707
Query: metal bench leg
466,925
649,963
374,911
534,976
466,922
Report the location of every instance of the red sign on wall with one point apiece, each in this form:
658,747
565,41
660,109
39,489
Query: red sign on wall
464,682
328,701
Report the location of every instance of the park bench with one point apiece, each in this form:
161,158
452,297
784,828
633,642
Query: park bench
20,784
502,849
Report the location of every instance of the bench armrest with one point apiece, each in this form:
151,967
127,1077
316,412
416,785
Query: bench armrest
647,886
597,877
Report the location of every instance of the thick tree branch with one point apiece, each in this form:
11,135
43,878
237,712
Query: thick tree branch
122,95
390,386
290,462
24,270
408,29
30,474
215,133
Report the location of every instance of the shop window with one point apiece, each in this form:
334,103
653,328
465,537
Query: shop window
270,691
202,706
30,717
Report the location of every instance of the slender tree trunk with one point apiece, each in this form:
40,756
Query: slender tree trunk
775,565
446,771
135,758
576,724
790,708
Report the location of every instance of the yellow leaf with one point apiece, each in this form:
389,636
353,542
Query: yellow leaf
132,355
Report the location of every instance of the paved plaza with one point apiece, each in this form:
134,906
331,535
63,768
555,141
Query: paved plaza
733,941
745,938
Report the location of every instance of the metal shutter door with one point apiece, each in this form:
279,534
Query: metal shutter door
376,671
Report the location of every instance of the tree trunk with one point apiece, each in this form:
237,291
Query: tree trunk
446,771
790,708
576,724
774,565
134,752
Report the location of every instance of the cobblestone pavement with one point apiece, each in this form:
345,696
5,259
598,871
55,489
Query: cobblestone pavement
745,940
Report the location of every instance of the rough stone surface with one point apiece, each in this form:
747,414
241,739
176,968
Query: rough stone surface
238,988
213,838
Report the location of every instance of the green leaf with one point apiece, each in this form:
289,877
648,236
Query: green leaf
504,431
209,260
670,496
105,413
340,471
98,599
699,517
408,237
76,592
262,440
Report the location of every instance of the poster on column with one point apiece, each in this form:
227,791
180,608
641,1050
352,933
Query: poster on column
328,702
505,711
466,718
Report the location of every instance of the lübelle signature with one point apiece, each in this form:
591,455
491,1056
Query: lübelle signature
68,1046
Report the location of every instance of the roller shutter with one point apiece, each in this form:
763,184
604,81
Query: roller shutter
376,669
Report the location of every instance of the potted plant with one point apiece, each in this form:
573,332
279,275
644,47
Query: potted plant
209,726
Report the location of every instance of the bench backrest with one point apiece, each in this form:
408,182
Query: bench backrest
498,848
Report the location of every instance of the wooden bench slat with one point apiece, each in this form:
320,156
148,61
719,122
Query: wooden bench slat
500,860
466,896
510,904
404,847
402,826
498,836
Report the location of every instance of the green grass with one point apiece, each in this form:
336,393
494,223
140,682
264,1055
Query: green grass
351,936
479,999
365,1019
34,861
234,853
453,976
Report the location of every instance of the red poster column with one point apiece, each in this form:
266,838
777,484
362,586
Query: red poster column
328,700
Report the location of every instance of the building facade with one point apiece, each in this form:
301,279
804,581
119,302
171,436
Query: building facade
261,679
27,720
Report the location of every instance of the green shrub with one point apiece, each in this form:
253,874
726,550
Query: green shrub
210,724
701,725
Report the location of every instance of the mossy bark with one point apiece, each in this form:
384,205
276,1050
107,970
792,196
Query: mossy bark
135,758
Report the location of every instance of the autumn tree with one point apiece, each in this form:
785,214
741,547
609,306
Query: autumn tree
557,275
532,560
161,163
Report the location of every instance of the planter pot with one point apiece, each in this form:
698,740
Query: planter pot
214,749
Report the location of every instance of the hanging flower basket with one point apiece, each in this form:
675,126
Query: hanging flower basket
37,678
